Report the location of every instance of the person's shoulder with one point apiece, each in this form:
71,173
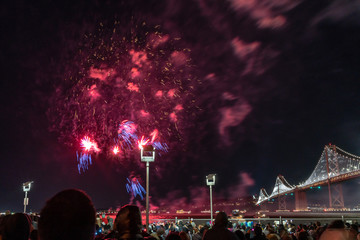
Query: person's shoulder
335,234
210,230
150,238
208,234
262,237
222,231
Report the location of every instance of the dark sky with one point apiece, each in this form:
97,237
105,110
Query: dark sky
272,82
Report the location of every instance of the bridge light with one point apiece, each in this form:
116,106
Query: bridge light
319,187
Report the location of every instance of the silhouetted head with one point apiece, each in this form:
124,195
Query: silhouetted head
173,236
303,236
184,236
203,229
337,224
355,227
70,214
16,227
240,234
271,236
258,231
160,231
128,222
221,220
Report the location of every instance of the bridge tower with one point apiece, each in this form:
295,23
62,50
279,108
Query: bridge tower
263,196
281,197
282,202
336,199
300,200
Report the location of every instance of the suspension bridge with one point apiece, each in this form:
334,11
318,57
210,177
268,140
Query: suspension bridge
334,166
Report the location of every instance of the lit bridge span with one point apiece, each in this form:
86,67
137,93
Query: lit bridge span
335,165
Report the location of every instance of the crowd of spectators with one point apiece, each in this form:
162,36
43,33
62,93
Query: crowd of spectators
70,215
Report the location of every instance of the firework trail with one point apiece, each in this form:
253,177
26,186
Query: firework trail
157,144
127,133
127,137
134,188
131,72
83,161
84,158
142,142
116,150
160,146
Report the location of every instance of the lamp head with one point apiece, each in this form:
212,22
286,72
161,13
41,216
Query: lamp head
210,179
147,153
27,186
148,148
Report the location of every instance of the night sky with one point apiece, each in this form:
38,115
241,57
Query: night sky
263,85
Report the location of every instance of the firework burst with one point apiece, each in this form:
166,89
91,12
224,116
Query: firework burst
135,73
84,158
134,187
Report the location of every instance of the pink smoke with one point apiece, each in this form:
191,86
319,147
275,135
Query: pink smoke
101,74
157,39
267,13
138,58
134,73
199,196
93,92
229,96
232,116
159,94
132,87
272,22
144,114
178,107
153,207
174,200
173,117
178,58
240,189
211,77
242,49
257,59
171,93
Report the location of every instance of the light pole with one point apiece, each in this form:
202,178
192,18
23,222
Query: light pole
210,181
26,189
147,155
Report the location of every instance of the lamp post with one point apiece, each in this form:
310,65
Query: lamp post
26,189
210,181
147,155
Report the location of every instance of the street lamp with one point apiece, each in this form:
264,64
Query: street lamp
147,155
26,189
210,181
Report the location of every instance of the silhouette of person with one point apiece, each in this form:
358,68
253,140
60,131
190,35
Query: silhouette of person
70,214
